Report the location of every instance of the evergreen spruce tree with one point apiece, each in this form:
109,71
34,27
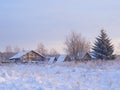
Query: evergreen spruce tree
103,49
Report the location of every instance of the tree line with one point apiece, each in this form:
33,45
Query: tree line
75,43
102,48
40,48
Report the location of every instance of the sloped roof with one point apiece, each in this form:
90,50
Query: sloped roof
22,53
81,55
61,58
52,59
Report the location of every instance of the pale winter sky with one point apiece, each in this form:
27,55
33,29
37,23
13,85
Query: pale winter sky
25,23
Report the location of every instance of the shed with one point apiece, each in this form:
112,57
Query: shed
52,60
63,58
84,56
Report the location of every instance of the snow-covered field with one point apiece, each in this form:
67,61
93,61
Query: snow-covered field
67,76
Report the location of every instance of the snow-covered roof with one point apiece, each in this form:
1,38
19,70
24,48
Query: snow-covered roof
22,53
81,55
52,59
61,58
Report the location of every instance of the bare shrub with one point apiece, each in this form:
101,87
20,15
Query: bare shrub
53,52
75,44
42,49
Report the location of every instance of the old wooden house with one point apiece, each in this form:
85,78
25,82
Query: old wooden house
26,56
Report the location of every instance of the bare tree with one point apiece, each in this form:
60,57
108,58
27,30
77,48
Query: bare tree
16,49
8,52
53,52
75,44
41,49
9,49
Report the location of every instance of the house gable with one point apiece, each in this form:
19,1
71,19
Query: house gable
27,55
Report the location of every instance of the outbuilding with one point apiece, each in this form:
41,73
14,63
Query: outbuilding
52,60
63,58
84,56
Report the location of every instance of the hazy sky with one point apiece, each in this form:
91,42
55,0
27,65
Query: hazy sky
25,23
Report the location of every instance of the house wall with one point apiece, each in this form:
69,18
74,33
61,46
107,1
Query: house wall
67,59
87,57
31,56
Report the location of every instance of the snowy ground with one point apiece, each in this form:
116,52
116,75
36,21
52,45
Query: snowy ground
68,76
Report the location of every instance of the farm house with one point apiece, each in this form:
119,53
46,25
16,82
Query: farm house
25,56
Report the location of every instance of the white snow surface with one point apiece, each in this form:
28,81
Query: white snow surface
66,76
